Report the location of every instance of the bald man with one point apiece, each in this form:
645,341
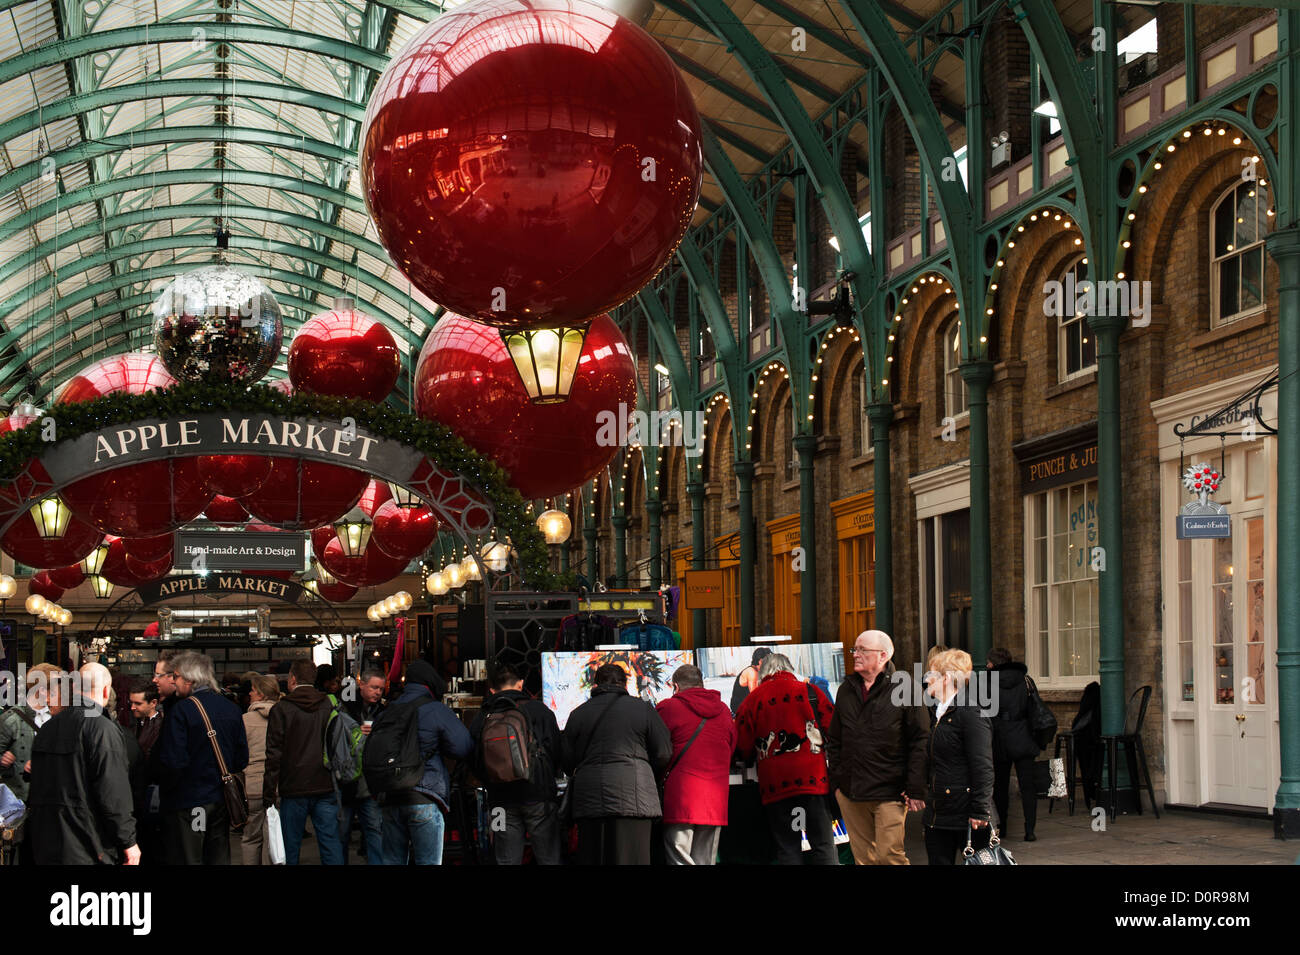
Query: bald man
80,805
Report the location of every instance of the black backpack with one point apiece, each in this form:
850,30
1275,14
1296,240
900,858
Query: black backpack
392,759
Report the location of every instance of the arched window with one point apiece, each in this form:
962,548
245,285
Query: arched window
1076,349
1237,226
955,399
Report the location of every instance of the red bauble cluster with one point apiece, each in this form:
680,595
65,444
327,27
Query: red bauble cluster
376,494
125,568
403,532
299,494
43,585
234,475
531,164
467,381
226,511
336,593
24,543
132,372
346,353
66,577
371,568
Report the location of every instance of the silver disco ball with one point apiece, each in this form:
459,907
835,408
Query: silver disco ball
217,324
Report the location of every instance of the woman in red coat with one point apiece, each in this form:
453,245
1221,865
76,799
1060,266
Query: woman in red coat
777,721
696,790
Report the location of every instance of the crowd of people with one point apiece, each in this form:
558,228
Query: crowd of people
624,782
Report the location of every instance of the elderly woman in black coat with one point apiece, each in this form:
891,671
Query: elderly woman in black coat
959,768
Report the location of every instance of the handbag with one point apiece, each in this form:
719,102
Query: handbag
1042,721
232,787
992,854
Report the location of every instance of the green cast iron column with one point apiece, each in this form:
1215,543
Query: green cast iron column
806,446
563,505
695,491
619,521
589,537
977,375
1284,246
654,511
881,414
1110,521
745,494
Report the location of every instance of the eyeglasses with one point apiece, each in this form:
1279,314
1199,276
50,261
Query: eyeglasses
857,650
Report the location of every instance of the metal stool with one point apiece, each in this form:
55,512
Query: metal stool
1131,741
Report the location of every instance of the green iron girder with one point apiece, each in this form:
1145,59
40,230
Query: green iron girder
665,337
715,314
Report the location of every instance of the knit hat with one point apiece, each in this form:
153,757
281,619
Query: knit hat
423,673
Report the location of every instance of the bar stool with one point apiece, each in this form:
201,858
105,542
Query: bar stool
1131,741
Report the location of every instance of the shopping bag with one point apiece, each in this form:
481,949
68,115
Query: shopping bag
274,836
1057,769
11,807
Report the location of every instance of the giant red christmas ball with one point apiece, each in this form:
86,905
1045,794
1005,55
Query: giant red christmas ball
43,585
321,537
149,548
336,593
346,353
374,496
322,494
527,163
404,532
15,422
234,475
141,500
371,568
24,543
144,571
132,372
114,568
66,577
226,511
467,381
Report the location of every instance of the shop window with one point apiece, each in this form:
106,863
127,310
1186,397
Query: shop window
685,618
1062,609
731,606
1076,352
786,593
1186,669
861,421
1238,225
857,586
955,398
945,579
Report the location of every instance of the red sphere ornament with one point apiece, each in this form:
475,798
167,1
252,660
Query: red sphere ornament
114,569
234,475
144,571
374,497
66,577
466,380
404,532
336,593
15,422
371,568
226,511
321,537
530,164
141,500
43,585
325,493
149,548
345,353
24,543
132,372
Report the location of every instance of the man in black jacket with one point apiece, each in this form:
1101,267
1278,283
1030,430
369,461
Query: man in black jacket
528,805
614,747
1013,743
357,799
80,801
875,750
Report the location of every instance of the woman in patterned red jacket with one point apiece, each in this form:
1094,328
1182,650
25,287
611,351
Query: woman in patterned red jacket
778,723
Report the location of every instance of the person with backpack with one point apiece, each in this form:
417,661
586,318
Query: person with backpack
516,758
358,802
403,762
615,747
297,780
697,786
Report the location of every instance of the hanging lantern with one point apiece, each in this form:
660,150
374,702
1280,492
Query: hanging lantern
8,586
469,567
496,556
102,586
324,576
436,584
546,359
555,526
353,531
403,497
451,573
51,516
310,587
92,562
35,604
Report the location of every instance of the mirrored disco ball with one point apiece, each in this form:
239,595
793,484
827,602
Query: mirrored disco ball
217,324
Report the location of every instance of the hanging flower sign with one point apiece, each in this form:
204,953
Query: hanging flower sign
1203,517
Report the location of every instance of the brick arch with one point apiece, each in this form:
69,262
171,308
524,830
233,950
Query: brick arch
934,313
834,378
1049,250
717,440
778,419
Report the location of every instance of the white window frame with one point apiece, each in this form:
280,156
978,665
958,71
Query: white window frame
1217,261
951,369
938,492
1063,324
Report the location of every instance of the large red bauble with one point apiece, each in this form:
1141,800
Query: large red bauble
325,493
43,585
371,568
404,532
234,475
336,593
149,548
140,500
132,372
376,494
144,571
15,422
467,381
321,537
24,544
226,511
544,154
114,568
66,577
346,353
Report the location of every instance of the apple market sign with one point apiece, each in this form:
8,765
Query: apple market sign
331,442
1202,517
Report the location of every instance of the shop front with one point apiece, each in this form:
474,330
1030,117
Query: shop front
855,537
787,574
1220,617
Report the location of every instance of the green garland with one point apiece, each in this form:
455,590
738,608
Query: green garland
443,446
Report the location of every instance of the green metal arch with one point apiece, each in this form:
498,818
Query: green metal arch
715,313
666,340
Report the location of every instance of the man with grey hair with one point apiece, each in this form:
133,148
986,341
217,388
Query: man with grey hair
876,748
195,824
80,801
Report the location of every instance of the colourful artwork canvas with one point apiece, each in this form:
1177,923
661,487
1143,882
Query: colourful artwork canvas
567,677
733,671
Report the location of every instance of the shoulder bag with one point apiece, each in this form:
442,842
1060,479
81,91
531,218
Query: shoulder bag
1042,721
992,854
232,787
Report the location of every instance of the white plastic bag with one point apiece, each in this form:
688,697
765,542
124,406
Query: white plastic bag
274,836
1057,769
